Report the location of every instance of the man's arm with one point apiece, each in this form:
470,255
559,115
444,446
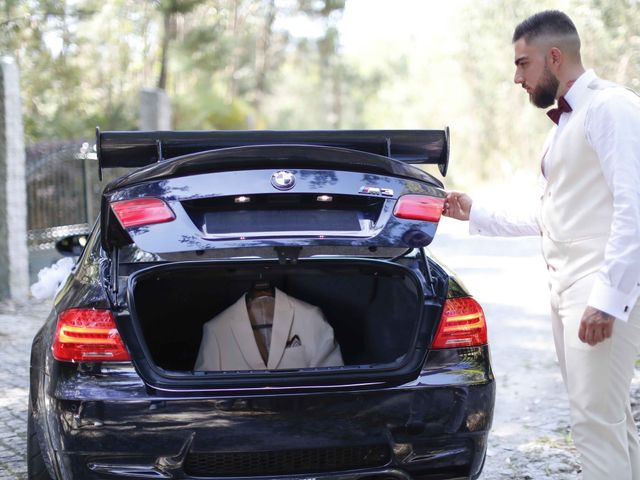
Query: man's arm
611,127
504,222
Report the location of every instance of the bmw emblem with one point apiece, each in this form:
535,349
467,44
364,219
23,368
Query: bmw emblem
283,180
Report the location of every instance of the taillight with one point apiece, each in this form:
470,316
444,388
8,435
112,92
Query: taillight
85,335
142,211
419,207
462,324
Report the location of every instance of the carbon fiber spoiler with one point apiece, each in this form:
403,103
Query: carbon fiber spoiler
140,148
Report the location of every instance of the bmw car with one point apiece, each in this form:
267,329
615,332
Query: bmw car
338,223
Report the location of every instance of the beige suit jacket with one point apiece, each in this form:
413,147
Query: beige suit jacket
228,342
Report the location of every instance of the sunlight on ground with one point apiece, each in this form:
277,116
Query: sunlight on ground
13,396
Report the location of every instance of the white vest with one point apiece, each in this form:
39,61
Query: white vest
577,205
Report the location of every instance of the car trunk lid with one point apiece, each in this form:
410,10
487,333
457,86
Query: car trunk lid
249,209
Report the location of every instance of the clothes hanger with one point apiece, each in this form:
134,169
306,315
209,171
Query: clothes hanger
261,288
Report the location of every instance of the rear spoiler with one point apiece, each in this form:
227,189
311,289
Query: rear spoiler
141,148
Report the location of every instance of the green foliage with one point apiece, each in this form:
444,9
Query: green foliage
209,109
176,6
323,8
505,133
83,62
232,64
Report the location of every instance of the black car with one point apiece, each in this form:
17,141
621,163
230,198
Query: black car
383,369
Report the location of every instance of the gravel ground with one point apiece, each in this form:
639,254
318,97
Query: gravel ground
18,325
530,437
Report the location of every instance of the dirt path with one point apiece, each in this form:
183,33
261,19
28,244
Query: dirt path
530,438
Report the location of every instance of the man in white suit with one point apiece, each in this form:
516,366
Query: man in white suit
300,338
589,221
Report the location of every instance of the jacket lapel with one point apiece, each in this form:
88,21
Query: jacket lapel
282,320
243,334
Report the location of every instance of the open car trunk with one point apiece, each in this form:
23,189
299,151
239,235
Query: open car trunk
376,309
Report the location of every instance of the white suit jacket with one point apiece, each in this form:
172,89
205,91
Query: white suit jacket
228,342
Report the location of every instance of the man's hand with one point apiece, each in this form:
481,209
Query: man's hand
457,205
596,326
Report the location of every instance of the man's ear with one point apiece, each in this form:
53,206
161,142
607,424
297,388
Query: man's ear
555,56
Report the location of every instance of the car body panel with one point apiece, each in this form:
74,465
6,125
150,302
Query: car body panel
100,415
187,234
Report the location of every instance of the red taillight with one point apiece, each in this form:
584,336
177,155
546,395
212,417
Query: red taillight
85,335
419,207
462,324
142,211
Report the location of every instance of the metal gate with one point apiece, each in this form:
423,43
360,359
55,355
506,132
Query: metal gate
63,191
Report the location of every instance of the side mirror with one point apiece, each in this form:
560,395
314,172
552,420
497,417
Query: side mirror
72,246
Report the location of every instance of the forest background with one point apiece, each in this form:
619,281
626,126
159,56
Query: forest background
305,64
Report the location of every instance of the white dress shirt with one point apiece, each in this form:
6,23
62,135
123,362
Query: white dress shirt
612,129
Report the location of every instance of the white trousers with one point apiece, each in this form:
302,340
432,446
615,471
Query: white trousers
597,380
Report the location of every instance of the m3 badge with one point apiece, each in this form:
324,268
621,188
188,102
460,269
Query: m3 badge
385,192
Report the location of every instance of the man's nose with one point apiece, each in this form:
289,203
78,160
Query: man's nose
517,78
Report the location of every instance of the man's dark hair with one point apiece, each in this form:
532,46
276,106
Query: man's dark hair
547,23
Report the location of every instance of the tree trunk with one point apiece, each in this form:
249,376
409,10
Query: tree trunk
337,96
233,83
263,63
164,49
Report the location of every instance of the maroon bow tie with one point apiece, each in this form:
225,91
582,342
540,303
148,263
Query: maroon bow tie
563,106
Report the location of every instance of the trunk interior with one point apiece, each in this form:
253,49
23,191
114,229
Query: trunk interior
374,307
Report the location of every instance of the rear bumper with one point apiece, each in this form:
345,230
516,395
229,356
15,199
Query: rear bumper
433,428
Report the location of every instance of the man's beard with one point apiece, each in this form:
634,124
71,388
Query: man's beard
544,94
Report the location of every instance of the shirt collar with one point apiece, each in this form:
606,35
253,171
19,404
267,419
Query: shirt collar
576,94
